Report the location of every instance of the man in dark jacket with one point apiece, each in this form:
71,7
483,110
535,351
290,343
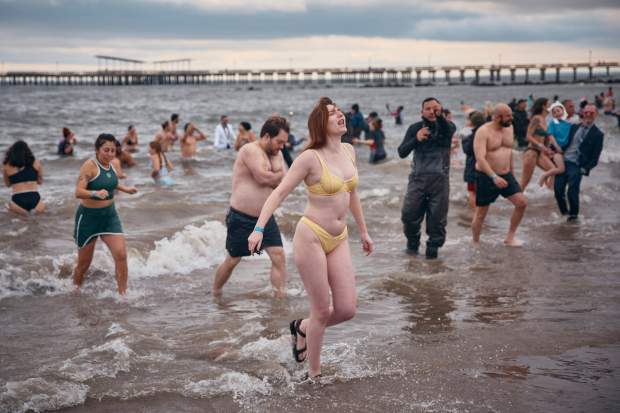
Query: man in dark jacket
520,122
429,186
469,172
581,154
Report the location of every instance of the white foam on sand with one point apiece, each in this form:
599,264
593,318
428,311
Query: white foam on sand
277,350
194,247
17,282
37,394
115,329
240,385
105,360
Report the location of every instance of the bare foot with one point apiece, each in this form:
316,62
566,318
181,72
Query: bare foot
513,242
550,182
542,181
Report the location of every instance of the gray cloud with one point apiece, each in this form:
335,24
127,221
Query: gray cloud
475,20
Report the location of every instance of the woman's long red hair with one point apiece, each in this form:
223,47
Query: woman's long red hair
317,123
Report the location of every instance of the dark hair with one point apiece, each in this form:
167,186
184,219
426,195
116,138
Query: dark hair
246,125
186,126
273,125
103,138
66,132
537,107
373,115
446,111
377,123
429,99
119,148
355,107
129,128
155,145
19,155
317,123
476,118
400,108
175,116
521,101
222,117
164,125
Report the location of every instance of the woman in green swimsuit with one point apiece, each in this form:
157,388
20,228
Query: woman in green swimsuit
96,215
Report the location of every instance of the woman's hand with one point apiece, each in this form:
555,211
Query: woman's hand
131,190
367,244
101,194
254,241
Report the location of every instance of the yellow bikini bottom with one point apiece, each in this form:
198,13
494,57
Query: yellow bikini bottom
328,241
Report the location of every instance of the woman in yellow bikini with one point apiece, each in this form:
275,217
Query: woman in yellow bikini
321,250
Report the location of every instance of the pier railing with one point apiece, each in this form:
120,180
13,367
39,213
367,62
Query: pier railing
371,76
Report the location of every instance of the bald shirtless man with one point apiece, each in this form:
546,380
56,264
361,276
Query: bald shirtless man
258,169
494,172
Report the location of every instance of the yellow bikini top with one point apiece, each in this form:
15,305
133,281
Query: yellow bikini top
331,184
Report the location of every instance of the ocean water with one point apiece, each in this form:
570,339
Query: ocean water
484,328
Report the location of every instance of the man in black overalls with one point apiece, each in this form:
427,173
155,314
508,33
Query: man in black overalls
429,186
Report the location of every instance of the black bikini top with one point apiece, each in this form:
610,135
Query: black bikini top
26,174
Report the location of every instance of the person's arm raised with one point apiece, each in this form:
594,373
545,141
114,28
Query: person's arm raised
255,163
298,172
414,135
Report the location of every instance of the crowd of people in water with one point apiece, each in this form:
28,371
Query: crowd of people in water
555,136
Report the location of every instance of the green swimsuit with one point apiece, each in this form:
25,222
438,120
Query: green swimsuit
93,222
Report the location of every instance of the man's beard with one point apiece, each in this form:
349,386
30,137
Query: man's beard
506,124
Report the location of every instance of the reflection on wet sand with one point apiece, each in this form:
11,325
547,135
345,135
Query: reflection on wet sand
500,307
426,303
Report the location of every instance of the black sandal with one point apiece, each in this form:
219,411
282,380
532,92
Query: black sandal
294,327
314,379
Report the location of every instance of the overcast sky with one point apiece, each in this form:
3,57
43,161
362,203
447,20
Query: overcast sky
219,34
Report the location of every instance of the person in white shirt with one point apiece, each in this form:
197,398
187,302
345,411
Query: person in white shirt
571,116
224,134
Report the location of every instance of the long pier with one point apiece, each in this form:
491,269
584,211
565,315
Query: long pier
372,76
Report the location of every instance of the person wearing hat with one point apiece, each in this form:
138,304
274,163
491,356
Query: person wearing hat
476,119
558,125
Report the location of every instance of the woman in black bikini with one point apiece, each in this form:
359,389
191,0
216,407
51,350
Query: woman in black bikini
130,141
23,173
536,154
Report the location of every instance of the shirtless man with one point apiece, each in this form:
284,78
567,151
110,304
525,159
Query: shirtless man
163,137
189,139
258,169
494,172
